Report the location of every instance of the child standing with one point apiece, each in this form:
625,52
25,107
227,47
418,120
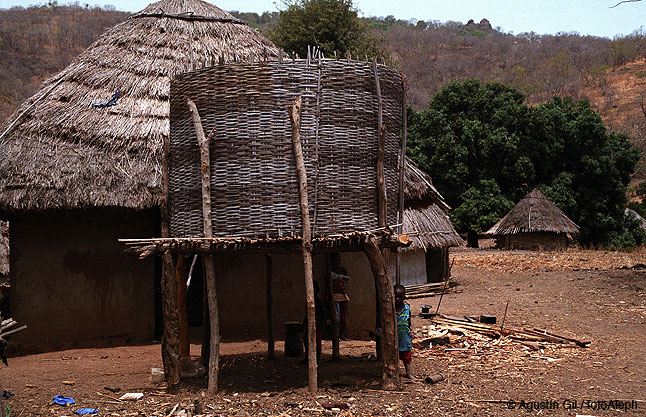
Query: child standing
404,325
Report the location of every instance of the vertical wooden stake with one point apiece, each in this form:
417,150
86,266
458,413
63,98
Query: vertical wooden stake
270,324
382,201
209,258
385,293
332,308
180,278
170,339
402,171
206,322
295,118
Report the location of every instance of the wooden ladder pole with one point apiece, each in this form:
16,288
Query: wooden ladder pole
209,257
295,118
332,308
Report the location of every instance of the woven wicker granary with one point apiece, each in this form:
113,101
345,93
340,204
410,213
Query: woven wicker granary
253,177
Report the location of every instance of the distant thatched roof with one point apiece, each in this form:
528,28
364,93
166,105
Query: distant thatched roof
58,151
425,212
534,213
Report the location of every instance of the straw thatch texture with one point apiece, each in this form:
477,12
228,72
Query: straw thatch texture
61,152
433,227
534,213
425,212
419,190
254,186
4,248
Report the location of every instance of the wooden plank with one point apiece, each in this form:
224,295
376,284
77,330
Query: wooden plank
209,258
295,118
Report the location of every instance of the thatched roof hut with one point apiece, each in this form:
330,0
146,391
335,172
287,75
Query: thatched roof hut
60,151
425,212
534,223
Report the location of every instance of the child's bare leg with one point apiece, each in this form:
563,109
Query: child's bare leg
407,368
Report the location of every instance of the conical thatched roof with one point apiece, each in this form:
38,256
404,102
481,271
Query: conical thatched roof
58,151
425,212
534,213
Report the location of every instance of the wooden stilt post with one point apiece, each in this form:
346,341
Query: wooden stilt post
270,324
295,118
402,171
206,322
385,293
170,339
180,278
209,258
332,308
382,201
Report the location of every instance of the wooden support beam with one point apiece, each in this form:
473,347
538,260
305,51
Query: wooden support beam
382,201
295,118
209,258
182,308
386,296
402,170
206,323
170,339
332,308
270,323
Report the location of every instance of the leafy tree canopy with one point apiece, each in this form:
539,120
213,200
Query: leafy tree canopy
330,25
485,148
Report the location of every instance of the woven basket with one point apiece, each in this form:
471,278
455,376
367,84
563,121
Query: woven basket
253,175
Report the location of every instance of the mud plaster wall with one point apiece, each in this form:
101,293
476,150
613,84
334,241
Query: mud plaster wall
242,293
72,282
413,267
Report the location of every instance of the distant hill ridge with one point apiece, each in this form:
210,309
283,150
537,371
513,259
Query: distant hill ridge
36,42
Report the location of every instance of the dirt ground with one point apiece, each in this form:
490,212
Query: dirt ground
596,296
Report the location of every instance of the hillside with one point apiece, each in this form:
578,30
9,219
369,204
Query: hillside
36,42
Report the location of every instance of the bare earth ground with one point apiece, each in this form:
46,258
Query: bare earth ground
562,292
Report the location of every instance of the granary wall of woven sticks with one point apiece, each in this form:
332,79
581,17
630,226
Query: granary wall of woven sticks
254,182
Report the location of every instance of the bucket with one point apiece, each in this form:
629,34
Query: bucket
293,345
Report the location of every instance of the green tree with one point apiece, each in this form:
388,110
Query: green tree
484,147
330,25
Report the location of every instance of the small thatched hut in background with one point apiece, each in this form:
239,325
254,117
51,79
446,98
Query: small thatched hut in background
535,223
427,258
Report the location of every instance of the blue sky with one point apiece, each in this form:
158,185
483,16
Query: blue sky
587,17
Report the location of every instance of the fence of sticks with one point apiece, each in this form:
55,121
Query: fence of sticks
254,187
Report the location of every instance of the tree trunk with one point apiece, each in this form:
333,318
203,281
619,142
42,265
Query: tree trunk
384,287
